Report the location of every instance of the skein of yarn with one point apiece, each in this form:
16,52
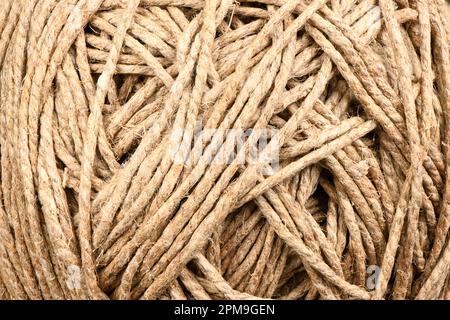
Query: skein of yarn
216,149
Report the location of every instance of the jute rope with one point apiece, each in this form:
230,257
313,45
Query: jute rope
216,149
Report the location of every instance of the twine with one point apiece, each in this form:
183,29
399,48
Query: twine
133,164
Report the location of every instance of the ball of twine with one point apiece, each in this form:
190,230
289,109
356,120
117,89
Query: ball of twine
215,149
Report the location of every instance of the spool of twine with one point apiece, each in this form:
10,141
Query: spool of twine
216,149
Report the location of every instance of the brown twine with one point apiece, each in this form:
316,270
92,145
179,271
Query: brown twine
117,123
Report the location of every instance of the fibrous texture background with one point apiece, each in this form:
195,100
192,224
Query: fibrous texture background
112,113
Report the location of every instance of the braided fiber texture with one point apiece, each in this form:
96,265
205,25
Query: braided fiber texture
122,175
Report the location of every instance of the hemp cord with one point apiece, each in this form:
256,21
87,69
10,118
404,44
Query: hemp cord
125,175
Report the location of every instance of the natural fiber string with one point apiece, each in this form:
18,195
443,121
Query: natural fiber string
121,168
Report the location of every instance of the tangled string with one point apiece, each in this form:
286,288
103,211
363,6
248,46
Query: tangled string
124,173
